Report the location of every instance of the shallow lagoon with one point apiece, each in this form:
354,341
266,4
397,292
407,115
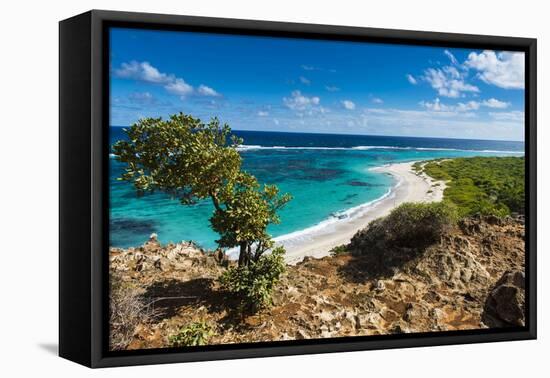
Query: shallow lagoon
326,174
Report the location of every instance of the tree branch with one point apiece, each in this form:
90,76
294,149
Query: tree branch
216,201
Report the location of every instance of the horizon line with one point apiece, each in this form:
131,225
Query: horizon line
366,135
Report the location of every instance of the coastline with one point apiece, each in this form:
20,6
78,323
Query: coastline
410,187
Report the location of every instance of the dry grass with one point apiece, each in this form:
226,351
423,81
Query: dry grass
128,309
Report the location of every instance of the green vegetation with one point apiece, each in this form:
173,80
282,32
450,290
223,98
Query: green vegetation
254,283
417,167
339,250
390,242
193,161
410,225
193,334
482,185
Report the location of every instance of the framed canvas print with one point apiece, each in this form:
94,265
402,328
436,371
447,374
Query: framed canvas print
233,188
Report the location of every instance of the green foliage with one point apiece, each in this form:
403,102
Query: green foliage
415,224
193,334
410,225
482,185
194,161
249,209
253,283
338,250
180,155
389,243
417,167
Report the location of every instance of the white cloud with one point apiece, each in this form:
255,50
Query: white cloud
467,106
307,67
376,120
152,74
452,124
179,87
376,110
332,88
496,104
451,57
448,82
438,106
263,113
452,72
305,80
141,98
207,91
144,71
349,105
297,101
514,116
377,100
411,79
505,69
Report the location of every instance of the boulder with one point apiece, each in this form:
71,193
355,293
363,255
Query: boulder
505,304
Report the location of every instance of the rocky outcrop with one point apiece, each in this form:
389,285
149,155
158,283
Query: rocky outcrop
153,262
505,305
470,279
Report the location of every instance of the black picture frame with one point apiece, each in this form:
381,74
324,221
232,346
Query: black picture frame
83,202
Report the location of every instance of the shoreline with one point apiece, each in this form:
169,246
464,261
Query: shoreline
317,241
410,187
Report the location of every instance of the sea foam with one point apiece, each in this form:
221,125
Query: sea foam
327,225
246,147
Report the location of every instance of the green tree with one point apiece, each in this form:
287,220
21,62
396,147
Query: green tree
194,161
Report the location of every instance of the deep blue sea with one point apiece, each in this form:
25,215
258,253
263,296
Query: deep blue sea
327,175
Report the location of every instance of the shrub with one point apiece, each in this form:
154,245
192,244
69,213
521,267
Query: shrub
253,283
420,224
193,334
127,310
338,250
410,225
389,243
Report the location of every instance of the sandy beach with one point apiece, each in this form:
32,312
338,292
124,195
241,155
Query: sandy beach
410,187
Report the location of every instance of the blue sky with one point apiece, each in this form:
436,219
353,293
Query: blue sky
297,85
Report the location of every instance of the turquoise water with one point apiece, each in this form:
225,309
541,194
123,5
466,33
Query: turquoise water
326,176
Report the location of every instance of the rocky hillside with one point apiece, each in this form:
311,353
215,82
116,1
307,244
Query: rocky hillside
472,278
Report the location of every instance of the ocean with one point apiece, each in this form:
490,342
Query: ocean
328,176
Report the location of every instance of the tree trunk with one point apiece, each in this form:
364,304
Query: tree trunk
242,254
259,251
216,202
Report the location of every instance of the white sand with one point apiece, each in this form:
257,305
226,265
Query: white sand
410,188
